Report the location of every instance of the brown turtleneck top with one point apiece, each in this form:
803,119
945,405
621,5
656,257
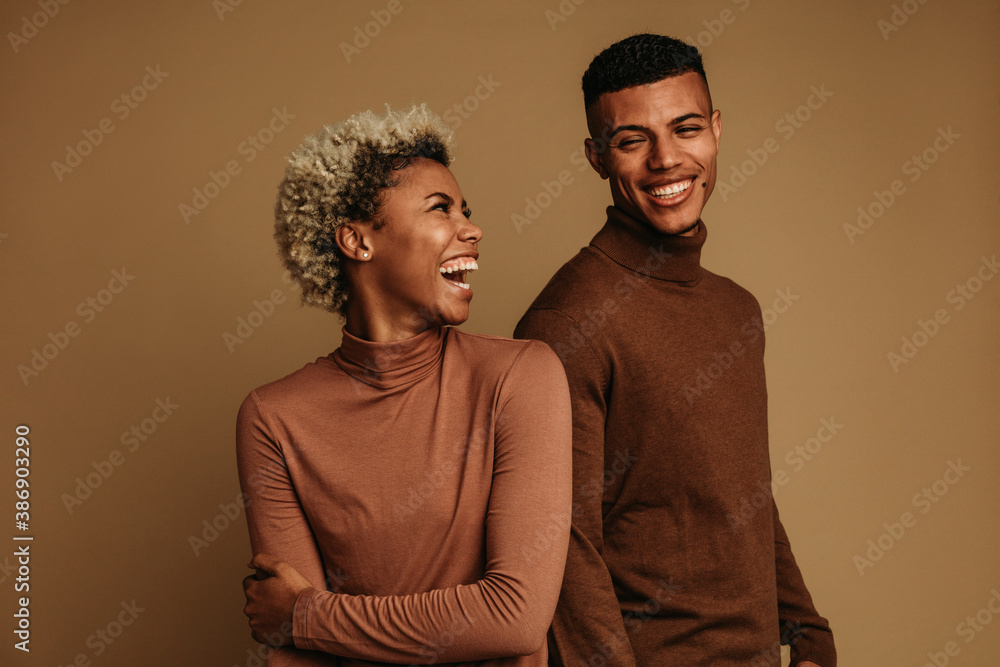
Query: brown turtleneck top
424,488
666,564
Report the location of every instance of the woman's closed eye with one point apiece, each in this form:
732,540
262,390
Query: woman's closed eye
441,202
446,206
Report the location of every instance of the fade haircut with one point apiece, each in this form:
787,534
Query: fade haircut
636,61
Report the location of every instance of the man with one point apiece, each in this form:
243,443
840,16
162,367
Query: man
677,555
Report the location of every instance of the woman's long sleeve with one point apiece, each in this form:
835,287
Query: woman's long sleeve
506,612
275,518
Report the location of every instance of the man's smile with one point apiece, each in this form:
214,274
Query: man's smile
670,194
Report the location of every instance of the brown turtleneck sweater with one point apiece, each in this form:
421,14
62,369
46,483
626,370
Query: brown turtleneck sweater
424,488
666,565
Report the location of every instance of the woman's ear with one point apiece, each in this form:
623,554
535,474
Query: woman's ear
353,242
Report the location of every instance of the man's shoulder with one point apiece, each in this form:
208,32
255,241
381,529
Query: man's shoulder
562,312
723,283
729,290
587,277
590,278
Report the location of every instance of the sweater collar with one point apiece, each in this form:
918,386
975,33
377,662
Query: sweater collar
386,365
633,245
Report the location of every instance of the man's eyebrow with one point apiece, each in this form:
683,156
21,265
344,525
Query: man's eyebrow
628,128
643,128
686,117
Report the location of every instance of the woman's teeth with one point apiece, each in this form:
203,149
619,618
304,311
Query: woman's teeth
460,267
462,264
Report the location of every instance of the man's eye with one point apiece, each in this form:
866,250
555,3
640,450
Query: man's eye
630,143
689,129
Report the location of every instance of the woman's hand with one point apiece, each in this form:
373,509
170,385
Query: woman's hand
271,595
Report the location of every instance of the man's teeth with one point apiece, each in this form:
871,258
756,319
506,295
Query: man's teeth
459,266
672,189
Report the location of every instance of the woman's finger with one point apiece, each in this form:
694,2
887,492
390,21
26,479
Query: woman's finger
265,563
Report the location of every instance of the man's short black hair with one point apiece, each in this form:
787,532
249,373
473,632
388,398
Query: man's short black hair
636,61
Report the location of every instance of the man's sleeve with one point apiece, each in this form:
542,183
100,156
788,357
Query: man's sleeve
278,526
802,628
588,627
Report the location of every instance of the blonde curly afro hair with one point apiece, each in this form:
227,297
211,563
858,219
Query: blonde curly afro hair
338,175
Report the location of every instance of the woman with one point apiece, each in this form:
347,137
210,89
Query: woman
408,495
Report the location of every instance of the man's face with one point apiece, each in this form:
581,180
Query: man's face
657,144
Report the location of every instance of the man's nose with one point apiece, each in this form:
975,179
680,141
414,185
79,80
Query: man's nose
663,154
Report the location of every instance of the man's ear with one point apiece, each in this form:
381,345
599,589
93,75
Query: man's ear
353,241
717,127
594,157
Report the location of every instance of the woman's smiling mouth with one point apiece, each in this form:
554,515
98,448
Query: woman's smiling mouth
454,271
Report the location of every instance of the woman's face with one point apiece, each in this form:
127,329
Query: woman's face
422,256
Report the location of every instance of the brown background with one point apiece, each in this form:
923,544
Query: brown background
783,229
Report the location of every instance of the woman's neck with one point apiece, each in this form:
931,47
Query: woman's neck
374,325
